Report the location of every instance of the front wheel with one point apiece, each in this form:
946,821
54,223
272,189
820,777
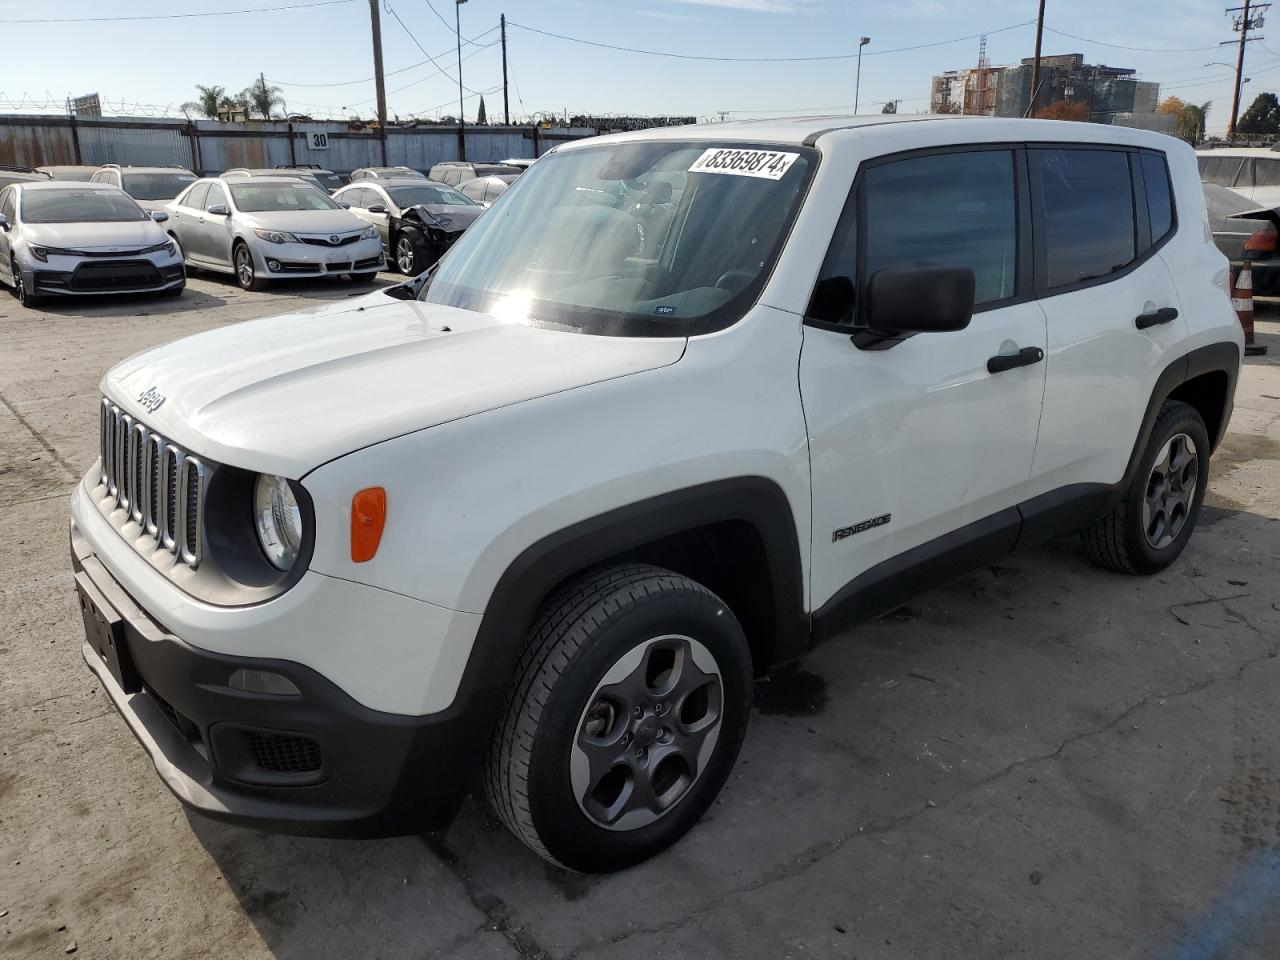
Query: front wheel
1153,521
25,296
624,718
410,254
246,275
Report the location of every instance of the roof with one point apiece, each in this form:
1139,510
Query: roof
385,182
282,180
66,185
170,169
808,130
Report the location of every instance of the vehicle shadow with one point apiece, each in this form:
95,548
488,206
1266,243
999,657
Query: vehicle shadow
921,768
310,288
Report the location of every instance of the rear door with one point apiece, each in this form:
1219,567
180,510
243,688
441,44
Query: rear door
913,440
1112,306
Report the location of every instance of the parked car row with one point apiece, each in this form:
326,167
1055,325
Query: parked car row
1242,195
125,229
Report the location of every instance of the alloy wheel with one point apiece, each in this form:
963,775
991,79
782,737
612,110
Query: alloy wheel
244,266
1171,490
406,257
647,733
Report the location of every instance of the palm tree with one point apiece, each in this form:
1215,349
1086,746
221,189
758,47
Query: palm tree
207,104
261,99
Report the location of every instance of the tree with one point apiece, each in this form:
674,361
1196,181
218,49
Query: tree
481,116
261,99
1172,105
208,102
1191,122
1263,116
890,107
1063,110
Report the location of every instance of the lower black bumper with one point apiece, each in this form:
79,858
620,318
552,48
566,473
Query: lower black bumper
316,763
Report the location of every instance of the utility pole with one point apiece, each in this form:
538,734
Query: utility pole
506,107
379,81
462,121
1035,63
1250,18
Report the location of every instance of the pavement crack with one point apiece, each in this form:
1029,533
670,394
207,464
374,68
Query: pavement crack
48,447
498,916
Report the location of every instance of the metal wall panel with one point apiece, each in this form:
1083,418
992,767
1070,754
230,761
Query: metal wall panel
140,146
35,144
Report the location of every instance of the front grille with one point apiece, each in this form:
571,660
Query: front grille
281,753
338,267
326,242
159,484
115,275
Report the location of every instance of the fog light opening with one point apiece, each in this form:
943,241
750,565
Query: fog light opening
263,681
273,265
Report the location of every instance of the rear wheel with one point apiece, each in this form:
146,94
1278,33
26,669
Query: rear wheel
1153,522
624,718
246,274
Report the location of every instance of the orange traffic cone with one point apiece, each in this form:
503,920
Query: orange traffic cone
1242,303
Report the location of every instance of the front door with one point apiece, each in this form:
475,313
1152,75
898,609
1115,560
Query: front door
214,230
915,440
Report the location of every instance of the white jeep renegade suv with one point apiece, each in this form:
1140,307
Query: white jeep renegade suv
683,404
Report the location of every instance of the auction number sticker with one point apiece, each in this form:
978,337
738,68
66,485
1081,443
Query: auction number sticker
766,164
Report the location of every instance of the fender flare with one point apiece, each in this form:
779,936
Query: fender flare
1222,358
520,591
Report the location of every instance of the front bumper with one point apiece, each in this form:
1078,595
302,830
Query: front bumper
316,763
313,260
94,276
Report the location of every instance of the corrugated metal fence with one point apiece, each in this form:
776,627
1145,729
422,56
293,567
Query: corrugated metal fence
208,146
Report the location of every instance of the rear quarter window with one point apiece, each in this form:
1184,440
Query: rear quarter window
1155,175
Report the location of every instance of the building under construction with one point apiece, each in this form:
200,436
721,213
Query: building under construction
990,91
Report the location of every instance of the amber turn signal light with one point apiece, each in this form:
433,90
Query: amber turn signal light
368,516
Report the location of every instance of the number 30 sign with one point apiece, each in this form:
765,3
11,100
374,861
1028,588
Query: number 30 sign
319,141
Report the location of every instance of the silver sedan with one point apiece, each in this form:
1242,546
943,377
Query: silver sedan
261,229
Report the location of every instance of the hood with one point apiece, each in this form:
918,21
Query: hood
452,217
287,394
304,221
92,236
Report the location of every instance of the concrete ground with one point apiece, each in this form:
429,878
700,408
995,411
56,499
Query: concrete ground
1041,760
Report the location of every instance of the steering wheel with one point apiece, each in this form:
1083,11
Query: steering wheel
725,282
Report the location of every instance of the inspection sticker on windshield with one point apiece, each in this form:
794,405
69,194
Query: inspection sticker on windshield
767,164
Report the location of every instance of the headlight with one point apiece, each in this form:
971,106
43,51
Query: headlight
44,253
369,233
168,247
276,236
278,520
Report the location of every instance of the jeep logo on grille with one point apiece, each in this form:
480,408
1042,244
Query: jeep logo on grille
151,398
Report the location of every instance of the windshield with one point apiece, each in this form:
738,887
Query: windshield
270,197
330,181
156,186
412,196
79,206
650,238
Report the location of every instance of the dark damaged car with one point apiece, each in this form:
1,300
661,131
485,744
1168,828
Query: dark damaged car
418,219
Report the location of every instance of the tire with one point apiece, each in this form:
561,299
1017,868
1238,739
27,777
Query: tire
20,291
1153,522
668,647
245,272
409,253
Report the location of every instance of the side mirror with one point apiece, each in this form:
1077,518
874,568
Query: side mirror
919,300
343,204
159,216
377,208
4,223
218,210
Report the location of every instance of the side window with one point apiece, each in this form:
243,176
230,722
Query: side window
1087,200
9,203
353,197
474,189
372,198
1155,173
196,198
1219,170
217,194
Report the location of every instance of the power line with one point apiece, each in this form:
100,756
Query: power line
691,56
1117,46
180,16
449,26
389,73
424,51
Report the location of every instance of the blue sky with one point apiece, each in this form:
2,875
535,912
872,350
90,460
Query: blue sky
157,63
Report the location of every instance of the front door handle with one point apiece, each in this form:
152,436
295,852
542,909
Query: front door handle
1007,361
1154,317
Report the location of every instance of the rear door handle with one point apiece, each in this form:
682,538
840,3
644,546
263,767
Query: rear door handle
1007,361
1163,315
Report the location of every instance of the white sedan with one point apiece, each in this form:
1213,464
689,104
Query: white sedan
267,228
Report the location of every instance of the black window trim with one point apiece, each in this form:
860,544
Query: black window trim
1141,218
1023,229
